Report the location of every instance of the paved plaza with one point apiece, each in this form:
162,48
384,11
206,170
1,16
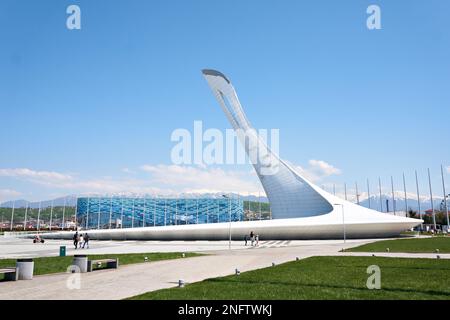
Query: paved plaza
130,280
25,248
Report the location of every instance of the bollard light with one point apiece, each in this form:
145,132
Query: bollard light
387,250
237,272
437,250
146,259
183,255
180,283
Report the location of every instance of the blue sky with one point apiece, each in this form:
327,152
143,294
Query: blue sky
92,110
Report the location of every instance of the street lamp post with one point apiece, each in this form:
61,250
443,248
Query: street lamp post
87,212
121,213
143,213
154,210
357,194
75,213
445,198
132,213
110,211
229,220
431,198
393,194
38,225
418,201
379,189
343,221
25,217
259,203
64,212
11,224
345,191
229,226
98,212
51,215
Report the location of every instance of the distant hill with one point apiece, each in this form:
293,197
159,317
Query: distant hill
425,203
70,202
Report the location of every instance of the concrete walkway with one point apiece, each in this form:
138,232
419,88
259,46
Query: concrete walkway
136,279
13,248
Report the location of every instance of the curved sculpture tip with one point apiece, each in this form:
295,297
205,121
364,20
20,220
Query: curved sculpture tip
211,72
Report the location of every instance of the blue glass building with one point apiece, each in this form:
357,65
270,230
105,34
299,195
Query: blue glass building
121,212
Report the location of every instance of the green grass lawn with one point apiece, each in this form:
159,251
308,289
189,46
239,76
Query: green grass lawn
324,278
416,245
59,264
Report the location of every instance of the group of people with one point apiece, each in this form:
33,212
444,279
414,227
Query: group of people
80,241
254,239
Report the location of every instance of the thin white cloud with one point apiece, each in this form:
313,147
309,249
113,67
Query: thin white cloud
318,170
127,170
44,176
161,180
8,194
197,179
324,168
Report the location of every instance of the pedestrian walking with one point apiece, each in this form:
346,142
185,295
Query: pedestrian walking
75,240
86,241
80,241
257,240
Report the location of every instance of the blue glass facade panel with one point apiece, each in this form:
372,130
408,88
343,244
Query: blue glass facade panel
121,212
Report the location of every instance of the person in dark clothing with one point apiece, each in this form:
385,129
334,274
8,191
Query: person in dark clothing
75,240
252,237
86,240
246,239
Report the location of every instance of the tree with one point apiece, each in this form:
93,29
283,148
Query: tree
412,213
